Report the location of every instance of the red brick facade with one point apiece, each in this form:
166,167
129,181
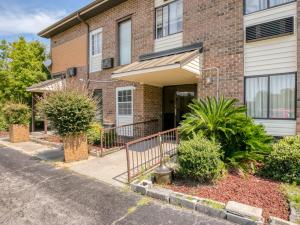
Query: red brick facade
223,48
217,24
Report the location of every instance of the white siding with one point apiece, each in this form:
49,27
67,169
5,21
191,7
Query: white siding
273,56
162,2
279,127
278,55
169,42
195,65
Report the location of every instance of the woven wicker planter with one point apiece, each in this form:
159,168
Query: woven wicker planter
75,148
18,133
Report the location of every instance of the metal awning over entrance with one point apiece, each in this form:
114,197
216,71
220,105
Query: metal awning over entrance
175,69
47,86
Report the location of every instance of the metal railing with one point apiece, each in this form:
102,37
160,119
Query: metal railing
115,138
145,153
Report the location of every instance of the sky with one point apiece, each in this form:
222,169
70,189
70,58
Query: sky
28,17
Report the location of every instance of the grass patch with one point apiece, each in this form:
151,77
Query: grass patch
292,192
213,204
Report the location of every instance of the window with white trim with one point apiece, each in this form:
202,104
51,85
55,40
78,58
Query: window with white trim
96,50
169,19
271,96
125,102
125,42
258,5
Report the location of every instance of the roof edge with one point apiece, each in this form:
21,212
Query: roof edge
174,51
72,19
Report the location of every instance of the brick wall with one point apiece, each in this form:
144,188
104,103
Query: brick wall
218,24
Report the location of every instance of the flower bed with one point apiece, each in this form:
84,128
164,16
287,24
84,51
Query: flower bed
250,190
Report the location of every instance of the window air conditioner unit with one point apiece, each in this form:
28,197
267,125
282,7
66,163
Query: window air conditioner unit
107,63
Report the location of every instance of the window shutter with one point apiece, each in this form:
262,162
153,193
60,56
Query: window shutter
271,29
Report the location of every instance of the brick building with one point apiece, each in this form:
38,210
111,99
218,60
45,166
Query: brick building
149,58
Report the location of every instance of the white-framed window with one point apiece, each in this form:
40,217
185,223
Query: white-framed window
271,96
125,42
258,5
96,50
125,102
169,19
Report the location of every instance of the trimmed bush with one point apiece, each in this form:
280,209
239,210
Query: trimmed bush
200,159
283,164
70,112
94,134
16,113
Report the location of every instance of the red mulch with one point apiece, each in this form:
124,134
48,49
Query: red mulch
249,190
3,134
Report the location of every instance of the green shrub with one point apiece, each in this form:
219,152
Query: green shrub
94,133
16,113
242,141
70,112
3,123
199,159
283,164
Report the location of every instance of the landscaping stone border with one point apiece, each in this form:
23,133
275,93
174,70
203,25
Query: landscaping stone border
232,211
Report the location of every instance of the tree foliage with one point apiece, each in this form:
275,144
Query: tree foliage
16,113
21,65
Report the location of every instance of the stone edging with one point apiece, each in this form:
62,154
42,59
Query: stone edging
232,211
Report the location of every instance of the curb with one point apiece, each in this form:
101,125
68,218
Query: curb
232,211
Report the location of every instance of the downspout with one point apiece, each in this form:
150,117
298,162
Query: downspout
88,48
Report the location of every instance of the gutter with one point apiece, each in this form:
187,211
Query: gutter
88,48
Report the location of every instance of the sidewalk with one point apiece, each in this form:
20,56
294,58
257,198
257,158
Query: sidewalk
111,169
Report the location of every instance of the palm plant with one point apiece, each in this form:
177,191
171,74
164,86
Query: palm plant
225,122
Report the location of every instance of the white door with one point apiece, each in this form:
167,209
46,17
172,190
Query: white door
124,102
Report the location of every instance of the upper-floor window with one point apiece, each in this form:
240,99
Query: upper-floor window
125,42
96,50
258,5
169,19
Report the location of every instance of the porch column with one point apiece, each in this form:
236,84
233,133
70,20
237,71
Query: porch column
45,119
32,113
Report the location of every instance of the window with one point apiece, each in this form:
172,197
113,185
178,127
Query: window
271,97
96,50
125,42
258,5
99,105
169,19
125,102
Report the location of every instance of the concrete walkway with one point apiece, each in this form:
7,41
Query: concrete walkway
111,169
43,152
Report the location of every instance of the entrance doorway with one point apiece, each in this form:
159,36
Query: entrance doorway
176,100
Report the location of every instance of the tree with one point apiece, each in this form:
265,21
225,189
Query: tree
21,65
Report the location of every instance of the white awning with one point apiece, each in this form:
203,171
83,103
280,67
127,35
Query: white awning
47,86
177,69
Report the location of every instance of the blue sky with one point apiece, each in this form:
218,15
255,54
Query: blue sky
28,17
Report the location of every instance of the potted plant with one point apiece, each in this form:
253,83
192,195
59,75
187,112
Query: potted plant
17,116
71,113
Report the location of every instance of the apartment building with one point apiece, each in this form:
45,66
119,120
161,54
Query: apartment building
147,59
